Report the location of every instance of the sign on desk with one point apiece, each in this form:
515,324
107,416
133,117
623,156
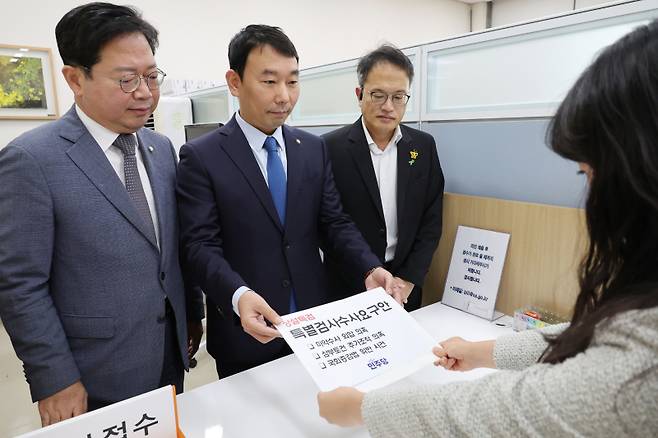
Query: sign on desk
152,415
352,341
475,270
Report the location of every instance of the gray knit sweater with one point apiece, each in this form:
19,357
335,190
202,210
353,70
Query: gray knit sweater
609,390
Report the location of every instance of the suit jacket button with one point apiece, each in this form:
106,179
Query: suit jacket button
162,276
162,318
382,231
285,283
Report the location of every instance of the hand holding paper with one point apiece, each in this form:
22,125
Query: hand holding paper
402,287
254,314
457,354
380,277
342,406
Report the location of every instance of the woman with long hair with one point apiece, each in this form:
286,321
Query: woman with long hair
598,375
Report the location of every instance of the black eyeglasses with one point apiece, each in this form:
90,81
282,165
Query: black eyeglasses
380,98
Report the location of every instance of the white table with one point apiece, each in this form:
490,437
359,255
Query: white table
278,399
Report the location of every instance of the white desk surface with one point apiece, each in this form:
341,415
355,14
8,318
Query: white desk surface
278,399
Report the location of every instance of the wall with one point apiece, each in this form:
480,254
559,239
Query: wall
194,34
545,247
506,12
506,159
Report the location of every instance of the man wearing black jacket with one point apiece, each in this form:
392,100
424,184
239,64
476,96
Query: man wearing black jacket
389,178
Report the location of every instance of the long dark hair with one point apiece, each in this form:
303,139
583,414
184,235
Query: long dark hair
609,121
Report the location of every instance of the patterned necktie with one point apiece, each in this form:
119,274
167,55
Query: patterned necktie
126,143
276,177
276,180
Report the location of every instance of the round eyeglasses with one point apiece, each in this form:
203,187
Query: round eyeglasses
130,83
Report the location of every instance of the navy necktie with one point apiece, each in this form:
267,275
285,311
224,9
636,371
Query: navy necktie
276,180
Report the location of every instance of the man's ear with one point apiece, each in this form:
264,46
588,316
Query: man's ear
74,76
359,93
234,82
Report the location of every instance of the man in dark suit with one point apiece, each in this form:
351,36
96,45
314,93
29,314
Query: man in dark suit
256,198
389,178
91,291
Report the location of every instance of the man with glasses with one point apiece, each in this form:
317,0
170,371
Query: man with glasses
389,178
91,292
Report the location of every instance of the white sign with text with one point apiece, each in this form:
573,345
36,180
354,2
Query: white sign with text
152,415
366,341
475,270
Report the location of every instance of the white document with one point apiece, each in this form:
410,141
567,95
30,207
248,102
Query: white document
365,341
475,271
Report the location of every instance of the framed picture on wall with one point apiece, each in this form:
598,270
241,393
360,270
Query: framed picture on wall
27,85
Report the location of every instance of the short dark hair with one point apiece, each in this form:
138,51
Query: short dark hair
255,36
384,53
84,31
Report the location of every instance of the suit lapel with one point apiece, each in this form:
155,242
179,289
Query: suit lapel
90,159
404,173
295,171
361,155
158,184
239,151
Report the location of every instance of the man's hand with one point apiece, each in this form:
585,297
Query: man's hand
342,406
69,402
403,288
380,277
194,334
254,312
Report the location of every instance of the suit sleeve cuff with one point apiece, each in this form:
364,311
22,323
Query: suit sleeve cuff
51,380
236,297
417,278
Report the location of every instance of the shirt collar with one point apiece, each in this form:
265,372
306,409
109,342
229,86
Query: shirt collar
255,137
397,135
103,136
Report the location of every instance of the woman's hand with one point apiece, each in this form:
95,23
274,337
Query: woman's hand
458,354
342,406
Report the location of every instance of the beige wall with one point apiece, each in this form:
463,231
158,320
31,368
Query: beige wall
545,248
194,34
506,12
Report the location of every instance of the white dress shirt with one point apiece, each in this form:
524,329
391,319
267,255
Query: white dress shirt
385,164
104,138
256,140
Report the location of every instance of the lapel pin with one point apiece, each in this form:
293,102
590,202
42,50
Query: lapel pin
413,154
298,141
150,148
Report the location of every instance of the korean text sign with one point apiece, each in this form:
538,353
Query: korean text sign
475,270
352,341
151,415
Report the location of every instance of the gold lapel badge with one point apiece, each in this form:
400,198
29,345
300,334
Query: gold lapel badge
413,154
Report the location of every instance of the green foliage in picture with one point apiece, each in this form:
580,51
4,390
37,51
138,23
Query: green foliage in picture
21,83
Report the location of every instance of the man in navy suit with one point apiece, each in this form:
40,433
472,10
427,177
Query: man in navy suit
91,291
389,178
257,199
